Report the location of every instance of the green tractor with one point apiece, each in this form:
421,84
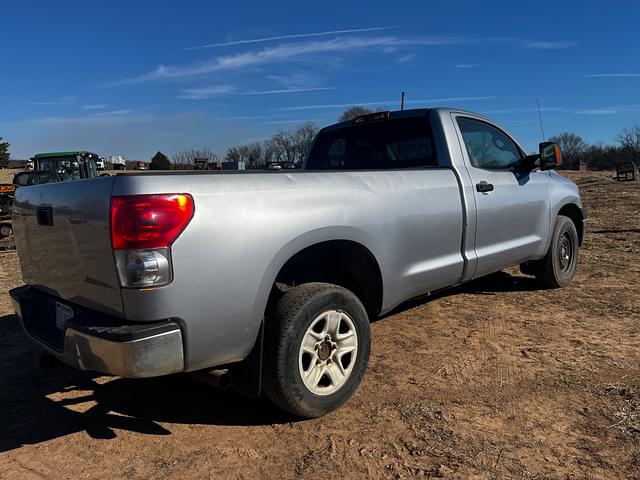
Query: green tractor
67,165
47,168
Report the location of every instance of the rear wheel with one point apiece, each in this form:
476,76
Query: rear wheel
558,267
317,344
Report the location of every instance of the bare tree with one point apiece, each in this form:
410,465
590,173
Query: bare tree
353,112
303,137
269,151
284,147
185,159
571,146
252,154
629,138
234,154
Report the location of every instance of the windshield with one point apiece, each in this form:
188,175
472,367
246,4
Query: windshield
69,168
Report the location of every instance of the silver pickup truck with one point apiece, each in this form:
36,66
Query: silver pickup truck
268,280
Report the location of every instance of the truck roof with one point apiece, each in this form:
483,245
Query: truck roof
83,153
395,114
412,112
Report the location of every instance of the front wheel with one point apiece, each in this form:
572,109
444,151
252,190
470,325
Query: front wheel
558,267
317,344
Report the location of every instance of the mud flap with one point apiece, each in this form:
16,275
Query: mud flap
247,375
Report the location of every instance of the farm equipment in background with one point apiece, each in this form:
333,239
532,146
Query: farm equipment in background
7,193
67,165
626,171
45,168
117,162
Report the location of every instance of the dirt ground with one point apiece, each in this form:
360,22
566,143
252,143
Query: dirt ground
497,379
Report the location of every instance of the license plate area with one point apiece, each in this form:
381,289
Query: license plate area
45,318
64,313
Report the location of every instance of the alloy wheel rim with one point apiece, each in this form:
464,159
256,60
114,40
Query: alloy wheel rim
328,352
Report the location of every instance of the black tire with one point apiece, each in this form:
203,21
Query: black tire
5,230
287,324
558,267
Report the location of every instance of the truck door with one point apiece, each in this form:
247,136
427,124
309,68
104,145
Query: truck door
512,205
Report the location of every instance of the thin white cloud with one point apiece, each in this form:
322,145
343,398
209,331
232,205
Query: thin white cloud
246,117
95,106
290,36
334,105
116,119
287,90
549,45
407,58
112,113
455,99
296,79
206,92
286,122
60,101
545,109
596,111
387,102
47,103
281,53
216,90
466,65
494,112
612,75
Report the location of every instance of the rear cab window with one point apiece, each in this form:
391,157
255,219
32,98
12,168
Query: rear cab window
400,143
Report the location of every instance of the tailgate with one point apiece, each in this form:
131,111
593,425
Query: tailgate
63,241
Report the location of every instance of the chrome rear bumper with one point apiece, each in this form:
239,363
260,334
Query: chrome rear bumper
91,341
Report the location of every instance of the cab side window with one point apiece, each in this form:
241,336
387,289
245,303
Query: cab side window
488,147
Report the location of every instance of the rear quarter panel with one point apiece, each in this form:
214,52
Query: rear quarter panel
246,226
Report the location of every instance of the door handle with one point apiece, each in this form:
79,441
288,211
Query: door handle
484,187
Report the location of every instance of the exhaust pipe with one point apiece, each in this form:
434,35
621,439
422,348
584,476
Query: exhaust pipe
218,378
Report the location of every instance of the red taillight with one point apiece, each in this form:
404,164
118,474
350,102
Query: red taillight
149,221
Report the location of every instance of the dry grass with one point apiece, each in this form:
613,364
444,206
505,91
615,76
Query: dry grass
6,175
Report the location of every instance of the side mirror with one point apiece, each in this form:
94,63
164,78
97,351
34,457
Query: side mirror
550,156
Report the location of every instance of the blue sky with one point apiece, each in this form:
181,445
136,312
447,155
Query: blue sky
135,77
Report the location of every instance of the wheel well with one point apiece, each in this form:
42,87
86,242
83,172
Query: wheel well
572,211
340,262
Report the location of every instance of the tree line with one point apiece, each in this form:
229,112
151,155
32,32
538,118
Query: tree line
289,147
285,147
599,156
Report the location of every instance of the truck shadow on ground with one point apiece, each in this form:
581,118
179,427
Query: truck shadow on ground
40,404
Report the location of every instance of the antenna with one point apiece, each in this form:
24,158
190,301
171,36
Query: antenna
402,101
540,118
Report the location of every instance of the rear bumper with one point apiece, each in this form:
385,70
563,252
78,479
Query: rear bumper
92,341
